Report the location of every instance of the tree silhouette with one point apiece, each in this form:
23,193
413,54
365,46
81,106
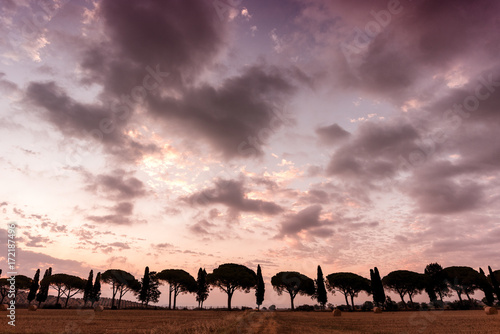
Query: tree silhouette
463,280
34,286
148,291
179,281
66,285
121,282
436,282
321,295
43,292
494,282
230,277
4,288
349,284
201,287
405,282
88,288
260,289
377,287
22,283
487,289
294,283
95,295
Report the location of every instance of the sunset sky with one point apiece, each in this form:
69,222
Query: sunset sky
290,134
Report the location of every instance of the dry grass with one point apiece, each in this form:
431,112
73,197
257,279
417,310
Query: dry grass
194,322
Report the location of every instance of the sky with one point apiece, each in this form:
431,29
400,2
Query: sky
290,134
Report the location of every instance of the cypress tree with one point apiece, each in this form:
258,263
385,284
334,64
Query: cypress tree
377,287
43,292
87,293
321,295
96,290
486,287
380,286
202,287
34,286
494,282
261,288
144,292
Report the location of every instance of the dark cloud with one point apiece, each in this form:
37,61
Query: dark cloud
112,219
374,151
181,37
96,123
124,208
232,194
308,221
445,196
331,134
118,185
164,245
202,227
237,118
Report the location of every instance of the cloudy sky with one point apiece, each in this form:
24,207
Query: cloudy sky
291,134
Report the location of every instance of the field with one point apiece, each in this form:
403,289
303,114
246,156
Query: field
176,322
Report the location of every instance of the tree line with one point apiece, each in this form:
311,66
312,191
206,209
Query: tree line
436,281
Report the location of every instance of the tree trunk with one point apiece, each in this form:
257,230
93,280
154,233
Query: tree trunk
120,301
352,302
170,296
229,296
67,299
346,302
292,297
403,300
175,299
113,299
459,296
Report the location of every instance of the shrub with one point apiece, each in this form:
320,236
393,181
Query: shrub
367,306
390,305
305,307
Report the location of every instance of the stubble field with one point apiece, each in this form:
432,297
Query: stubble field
194,322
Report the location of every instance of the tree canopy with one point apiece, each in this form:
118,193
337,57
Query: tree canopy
66,285
294,283
405,282
121,283
463,280
180,281
436,284
230,277
349,284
